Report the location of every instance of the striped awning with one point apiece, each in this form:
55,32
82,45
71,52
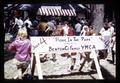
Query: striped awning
56,12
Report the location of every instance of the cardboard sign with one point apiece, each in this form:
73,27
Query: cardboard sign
68,44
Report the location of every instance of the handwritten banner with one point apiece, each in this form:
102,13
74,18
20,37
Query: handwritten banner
68,44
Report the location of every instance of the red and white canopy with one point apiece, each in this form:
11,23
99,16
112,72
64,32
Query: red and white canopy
56,12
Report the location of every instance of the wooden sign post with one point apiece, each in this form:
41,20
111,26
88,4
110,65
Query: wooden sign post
97,64
35,63
38,64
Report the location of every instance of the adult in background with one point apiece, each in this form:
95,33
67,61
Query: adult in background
51,26
20,22
35,23
78,27
22,46
91,31
28,24
7,24
28,21
114,49
28,29
106,35
34,31
111,30
84,30
13,26
111,52
17,24
70,30
65,28
83,21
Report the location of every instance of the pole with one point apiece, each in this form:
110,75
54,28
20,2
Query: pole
38,65
97,64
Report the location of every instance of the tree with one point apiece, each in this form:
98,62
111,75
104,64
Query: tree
97,11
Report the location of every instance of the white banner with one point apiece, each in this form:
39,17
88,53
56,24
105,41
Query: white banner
67,44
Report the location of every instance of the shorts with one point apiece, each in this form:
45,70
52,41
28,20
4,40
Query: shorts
23,64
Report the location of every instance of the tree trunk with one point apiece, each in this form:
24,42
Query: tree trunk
98,16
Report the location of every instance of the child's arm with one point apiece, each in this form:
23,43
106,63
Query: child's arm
12,47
